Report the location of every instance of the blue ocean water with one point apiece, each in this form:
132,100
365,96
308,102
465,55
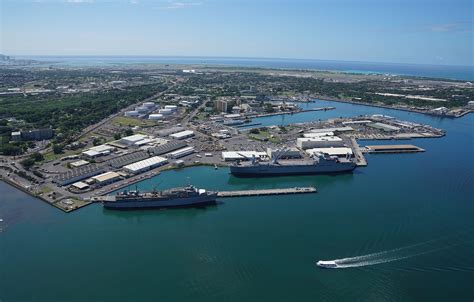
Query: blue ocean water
403,223
431,71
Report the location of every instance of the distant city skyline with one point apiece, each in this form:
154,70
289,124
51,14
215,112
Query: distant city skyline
415,32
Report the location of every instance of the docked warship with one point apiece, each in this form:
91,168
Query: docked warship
189,196
319,164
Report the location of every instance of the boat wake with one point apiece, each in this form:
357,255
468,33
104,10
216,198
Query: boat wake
389,255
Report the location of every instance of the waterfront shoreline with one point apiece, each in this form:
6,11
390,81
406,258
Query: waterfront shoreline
327,98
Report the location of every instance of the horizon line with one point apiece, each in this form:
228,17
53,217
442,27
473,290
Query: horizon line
237,57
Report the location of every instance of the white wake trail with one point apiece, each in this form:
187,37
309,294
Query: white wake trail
391,255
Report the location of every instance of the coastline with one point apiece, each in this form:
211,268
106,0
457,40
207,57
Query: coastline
328,98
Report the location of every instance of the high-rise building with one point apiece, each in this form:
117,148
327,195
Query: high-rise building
221,106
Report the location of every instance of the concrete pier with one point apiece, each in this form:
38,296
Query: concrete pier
360,158
393,149
263,192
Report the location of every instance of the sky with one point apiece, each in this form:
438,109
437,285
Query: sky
402,31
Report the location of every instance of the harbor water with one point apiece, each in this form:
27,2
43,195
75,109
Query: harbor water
402,229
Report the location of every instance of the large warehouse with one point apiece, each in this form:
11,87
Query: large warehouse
181,152
337,151
145,165
106,178
319,142
243,155
183,134
132,139
283,153
97,151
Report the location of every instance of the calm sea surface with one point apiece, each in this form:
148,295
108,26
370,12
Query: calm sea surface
405,225
432,71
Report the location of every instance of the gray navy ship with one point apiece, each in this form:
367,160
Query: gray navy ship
320,164
189,196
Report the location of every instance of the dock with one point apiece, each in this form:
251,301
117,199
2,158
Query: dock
393,149
359,157
266,192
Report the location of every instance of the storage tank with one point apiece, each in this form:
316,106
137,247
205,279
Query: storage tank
131,113
149,105
155,116
142,109
172,107
165,111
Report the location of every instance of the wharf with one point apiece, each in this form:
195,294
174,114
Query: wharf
393,149
264,192
248,125
294,112
360,158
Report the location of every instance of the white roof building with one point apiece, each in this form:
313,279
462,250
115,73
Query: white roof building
106,177
80,185
98,151
242,155
319,142
340,129
145,164
79,163
336,151
132,139
318,134
183,134
181,152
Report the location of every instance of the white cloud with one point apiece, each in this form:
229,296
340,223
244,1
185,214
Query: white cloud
79,1
179,5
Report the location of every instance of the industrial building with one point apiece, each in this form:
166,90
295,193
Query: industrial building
132,139
384,127
79,163
130,158
106,178
336,151
336,129
145,165
181,152
32,135
80,185
283,154
78,174
243,155
319,142
318,134
183,134
97,151
166,148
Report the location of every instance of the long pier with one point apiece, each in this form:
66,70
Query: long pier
264,192
360,159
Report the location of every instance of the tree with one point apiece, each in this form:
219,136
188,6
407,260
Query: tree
28,163
37,156
10,149
254,131
57,149
128,132
117,136
97,141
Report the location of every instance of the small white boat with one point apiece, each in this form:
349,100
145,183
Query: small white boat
327,264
